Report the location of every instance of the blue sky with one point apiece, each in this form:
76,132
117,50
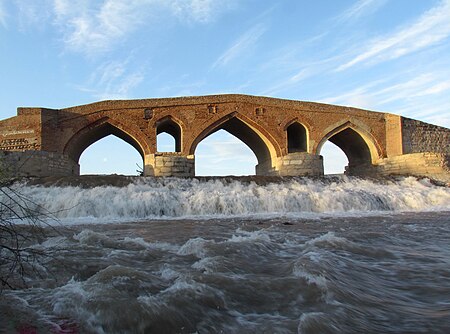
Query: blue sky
383,55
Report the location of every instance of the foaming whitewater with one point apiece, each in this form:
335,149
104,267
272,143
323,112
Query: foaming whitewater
168,198
168,255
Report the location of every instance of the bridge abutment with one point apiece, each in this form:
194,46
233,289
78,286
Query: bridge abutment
37,164
426,164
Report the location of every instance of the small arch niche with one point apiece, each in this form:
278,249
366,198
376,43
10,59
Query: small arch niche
297,138
168,136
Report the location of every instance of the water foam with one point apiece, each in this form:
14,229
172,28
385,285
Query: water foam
168,198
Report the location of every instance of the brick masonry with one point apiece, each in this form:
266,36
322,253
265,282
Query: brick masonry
423,137
37,163
370,139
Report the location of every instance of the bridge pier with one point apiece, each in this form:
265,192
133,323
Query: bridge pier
179,165
300,164
169,164
265,168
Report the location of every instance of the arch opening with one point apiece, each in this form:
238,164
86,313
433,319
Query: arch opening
88,136
243,132
222,154
247,134
170,127
165,143
297,138
334,159
354,146
110,155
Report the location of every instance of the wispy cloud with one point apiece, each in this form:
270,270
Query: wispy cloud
90,28
384,91
417,95
294,79
360,9
295,71
113,80
431,28
200,10
246,41
2,14
32,13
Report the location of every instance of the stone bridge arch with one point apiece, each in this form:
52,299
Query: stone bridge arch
360,147
99,129
265,148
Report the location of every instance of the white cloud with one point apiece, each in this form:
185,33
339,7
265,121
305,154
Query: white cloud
243,43
431,28
361,8
90,28
412,94
290,81
33,13
113,80
199,10
2,14
381,92
359,97
436,88
295,71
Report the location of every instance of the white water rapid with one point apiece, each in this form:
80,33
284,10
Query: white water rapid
167,198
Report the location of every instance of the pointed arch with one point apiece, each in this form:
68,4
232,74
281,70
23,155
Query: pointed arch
97,130
255,137
297,136
173,127
358,145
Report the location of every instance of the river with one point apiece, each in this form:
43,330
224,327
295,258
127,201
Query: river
230,255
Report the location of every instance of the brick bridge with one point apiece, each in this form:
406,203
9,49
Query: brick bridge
286,136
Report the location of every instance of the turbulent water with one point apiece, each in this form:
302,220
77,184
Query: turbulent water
339,255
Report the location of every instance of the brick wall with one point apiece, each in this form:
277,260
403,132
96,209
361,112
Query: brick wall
37,163
423,137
